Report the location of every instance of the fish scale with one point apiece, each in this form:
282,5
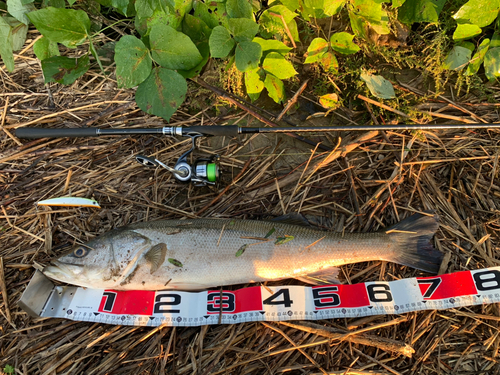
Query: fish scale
203,253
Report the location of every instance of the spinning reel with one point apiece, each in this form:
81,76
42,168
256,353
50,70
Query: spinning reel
203,172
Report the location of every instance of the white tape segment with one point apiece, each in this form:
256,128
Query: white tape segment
174,308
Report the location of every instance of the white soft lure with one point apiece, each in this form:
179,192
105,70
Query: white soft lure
69,202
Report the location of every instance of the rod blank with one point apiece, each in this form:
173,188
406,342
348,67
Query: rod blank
230,130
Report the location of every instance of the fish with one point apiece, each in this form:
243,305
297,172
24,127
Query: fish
202,253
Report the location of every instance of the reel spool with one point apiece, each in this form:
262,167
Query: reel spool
202,172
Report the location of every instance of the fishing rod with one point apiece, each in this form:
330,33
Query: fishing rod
205,171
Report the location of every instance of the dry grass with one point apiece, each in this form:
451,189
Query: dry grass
372,180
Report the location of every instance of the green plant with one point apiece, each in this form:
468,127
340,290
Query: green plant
8,369
174,39
474,17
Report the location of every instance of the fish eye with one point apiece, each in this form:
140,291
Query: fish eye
80,252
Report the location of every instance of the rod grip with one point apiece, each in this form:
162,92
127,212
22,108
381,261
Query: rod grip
33,133
216,130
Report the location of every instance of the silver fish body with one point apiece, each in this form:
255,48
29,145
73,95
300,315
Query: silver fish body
204,253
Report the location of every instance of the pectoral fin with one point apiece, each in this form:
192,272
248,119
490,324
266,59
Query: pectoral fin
156,256
323,277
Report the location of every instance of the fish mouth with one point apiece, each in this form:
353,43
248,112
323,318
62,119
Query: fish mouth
61,271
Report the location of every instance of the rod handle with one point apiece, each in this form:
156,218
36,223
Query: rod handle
33,133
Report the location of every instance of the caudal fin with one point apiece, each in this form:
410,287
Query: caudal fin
413,240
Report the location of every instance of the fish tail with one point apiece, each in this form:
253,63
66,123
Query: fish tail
412,237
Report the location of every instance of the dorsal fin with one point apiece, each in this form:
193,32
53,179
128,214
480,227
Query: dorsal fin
293,218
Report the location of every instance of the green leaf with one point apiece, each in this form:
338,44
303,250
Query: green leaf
329,101
275,88
221,43
175,262
283,240
121,5
180,7
342,42
272,16
333,7
63,69
19,31
239,9
420,11
172,49
247,56
146,8
159,16
368,12
55,3
478,12
153,12
478,58
66,26
329,62
45,48
492,63
293,5
241,250
96,55
457,58
270,233
495,40
273,45
19,10
243,29
205,54
316,50
133,63
196,29
272,22
213,14
161,93
6,50
466,31
254,83
397,3
278,66
379,86
313,9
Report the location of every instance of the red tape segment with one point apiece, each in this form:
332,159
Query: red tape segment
174,308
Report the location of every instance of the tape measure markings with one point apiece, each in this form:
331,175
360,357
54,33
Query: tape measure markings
177,308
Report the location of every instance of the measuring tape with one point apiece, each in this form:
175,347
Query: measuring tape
254,304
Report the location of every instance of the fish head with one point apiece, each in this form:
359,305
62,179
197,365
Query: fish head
100,263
